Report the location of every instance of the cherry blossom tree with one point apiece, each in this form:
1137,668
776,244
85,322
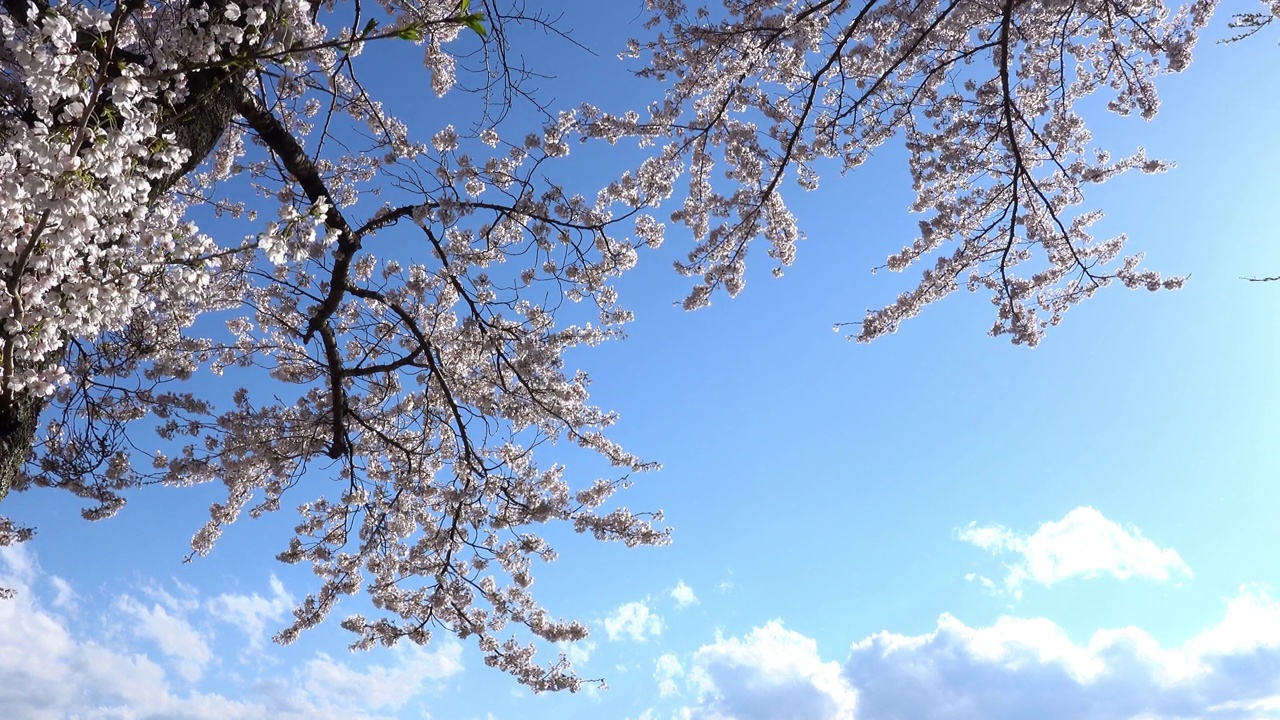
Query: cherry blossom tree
430,385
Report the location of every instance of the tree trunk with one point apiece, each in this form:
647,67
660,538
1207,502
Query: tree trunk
19,417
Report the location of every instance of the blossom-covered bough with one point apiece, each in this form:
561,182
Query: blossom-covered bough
986,95
425,380
424,383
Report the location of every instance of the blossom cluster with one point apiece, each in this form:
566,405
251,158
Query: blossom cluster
83,247
986,96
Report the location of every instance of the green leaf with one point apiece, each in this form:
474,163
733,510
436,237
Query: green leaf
475,21
368,29
410,32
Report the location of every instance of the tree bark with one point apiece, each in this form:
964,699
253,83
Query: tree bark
199,122
19,417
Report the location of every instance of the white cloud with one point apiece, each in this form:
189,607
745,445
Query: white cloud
771,674
19,565
1264,708
666,671
52,669
1082,544
577,653
726,585
252,613
64,596
1021,668
1013,669
1252,622
171,632
339,685
683,595
633,620
46,672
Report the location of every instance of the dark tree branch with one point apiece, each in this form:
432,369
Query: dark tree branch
337,397
304,171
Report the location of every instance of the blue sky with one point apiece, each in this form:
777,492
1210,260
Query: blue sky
938,525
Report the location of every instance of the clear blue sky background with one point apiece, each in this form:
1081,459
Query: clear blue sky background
834,505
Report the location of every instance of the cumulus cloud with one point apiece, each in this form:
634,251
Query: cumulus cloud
633,620
771,674
683,595
1013,669
1020,668
1082,544
1252,623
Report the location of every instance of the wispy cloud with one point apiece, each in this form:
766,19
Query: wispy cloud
252,613
52,668
47,672
171,632
683,595
1084,543
634,621
64,597
667,670
337,685
578,652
